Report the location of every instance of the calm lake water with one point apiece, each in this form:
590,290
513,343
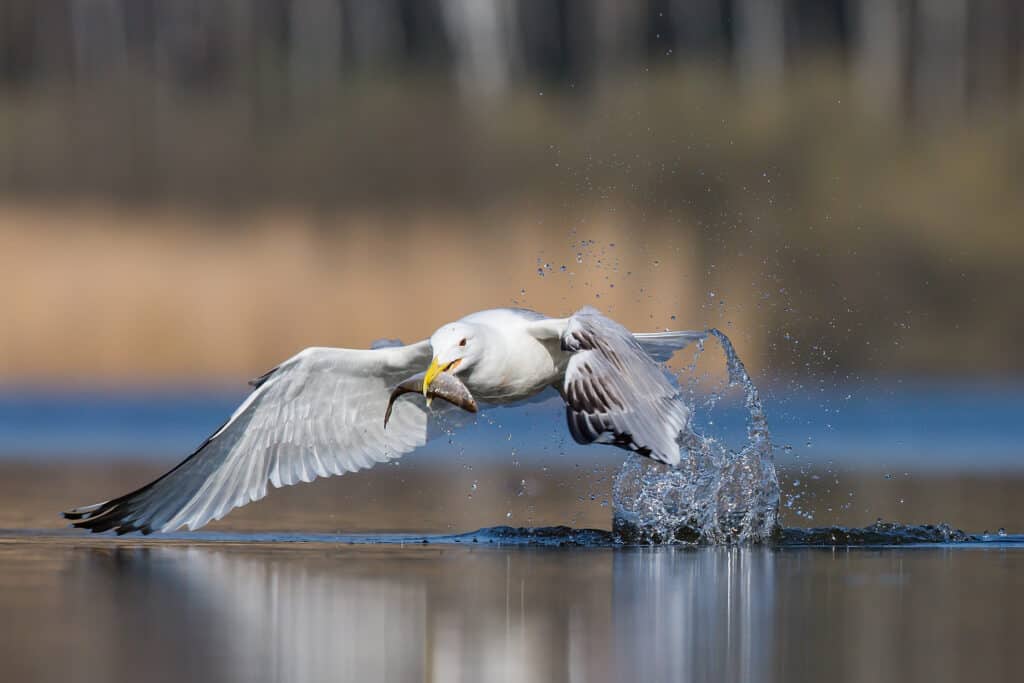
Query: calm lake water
275,592
99,610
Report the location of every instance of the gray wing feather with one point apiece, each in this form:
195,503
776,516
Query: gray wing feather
318,414
615,393
661,346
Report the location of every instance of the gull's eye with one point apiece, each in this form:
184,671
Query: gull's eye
463,342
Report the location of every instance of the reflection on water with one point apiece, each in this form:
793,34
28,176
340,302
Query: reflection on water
95,610
694,616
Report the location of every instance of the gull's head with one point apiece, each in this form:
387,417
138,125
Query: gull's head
455,349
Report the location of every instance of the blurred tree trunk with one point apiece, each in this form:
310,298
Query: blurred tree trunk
699,28
482,33
880,57
375,31
52,54
314,50
990,79
619,34
760,43
98,33
940,59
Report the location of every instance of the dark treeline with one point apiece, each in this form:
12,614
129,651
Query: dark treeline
909,55
364,102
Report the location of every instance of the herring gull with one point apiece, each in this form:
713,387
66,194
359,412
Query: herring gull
322,412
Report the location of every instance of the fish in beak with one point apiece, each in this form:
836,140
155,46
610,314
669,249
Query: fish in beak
443,385
433,372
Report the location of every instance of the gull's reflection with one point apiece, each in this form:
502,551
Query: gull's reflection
294,622
445,614
694,615
205,614
379,614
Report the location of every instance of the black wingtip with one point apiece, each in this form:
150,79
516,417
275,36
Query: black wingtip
84,511
257,382
101,517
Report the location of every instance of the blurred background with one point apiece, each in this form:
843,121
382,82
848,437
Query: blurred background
193,190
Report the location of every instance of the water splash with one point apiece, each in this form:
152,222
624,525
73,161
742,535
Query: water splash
715,495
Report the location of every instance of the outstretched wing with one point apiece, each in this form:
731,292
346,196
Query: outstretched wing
320,413
616,393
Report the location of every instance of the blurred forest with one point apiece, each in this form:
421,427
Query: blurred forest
194,189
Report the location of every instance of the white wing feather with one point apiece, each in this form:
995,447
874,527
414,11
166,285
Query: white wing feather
318,414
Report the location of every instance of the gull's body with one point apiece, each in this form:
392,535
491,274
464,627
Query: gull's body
321,412
517,365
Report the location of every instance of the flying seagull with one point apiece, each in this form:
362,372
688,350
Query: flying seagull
327,411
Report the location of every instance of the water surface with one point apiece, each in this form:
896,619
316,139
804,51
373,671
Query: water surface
300,586
97,609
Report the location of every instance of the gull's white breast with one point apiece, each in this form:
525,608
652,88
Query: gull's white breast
515,365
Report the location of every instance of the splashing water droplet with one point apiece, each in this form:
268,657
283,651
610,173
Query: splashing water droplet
714,495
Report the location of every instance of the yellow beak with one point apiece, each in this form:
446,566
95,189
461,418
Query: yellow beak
433,371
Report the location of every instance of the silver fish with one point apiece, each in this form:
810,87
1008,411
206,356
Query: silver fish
445,386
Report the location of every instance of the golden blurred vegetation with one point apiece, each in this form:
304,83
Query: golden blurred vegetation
834,241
